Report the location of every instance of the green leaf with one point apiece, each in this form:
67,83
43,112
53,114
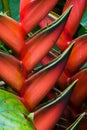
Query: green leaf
14,8
6,8
84,20
81,31
13,114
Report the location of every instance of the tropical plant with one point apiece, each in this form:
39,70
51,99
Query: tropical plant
43,88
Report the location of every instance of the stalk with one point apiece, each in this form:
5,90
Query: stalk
6,8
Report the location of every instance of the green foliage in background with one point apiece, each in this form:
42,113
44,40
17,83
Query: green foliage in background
14,7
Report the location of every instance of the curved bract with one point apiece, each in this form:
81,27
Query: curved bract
11,71
33,11
12,33
43,41
78,57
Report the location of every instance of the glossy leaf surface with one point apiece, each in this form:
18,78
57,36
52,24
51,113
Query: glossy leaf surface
13,114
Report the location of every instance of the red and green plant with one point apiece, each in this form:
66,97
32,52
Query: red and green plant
52,95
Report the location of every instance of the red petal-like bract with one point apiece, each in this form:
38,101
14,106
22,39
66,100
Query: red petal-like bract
52,112
39,45
40,83
77,58
33,11
11,71
71,24
79,94
12,33
78,55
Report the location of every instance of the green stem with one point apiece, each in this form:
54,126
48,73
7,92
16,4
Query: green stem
6,8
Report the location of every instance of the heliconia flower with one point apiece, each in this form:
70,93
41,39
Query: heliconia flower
12,33
37,83
33,11
52,111
76,124
29,85
79,94
11,71
43,41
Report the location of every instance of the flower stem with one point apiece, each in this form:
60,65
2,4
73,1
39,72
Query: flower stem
6,8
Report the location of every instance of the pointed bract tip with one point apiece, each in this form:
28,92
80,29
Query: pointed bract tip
59,98
77,122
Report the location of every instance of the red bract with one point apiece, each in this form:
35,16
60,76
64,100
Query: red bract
77,58
33,11
42,42
11,71
12,33
80,90
72,22
53,109
37,84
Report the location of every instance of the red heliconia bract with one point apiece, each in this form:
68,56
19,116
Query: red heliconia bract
79,95
78,55
11,71
37,84
77,58
33,11
52,110
72,22
12,33
43,41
